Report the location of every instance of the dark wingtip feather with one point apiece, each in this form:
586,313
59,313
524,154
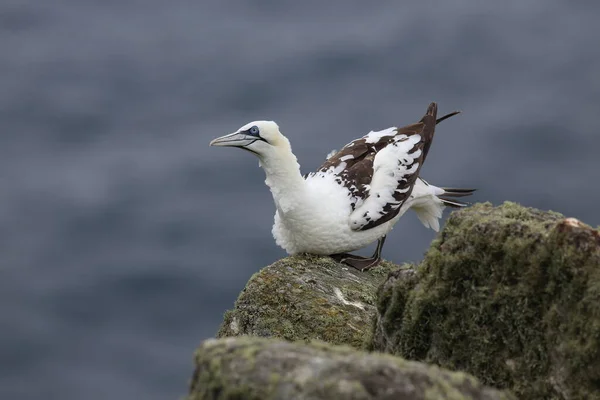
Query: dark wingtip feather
454,203
456,192
460,190
432,109
452,114
453,193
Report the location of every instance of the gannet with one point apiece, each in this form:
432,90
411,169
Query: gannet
356,197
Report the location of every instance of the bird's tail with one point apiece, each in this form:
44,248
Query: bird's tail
449,195
429,213
429,202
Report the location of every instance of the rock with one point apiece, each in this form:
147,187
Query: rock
257,368
307,297
508,294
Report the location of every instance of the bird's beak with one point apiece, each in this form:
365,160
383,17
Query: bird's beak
235,139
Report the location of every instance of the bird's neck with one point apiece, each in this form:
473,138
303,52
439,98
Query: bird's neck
284,179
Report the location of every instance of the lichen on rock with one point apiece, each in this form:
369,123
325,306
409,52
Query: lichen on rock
307,297
509,294
257,369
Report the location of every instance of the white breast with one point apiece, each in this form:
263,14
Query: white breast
319,224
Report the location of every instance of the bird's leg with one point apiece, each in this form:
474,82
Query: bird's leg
359,262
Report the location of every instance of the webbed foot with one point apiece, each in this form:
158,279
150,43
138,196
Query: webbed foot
359,262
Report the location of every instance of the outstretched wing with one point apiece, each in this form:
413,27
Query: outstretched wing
380,169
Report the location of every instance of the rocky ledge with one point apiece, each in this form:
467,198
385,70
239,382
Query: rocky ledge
507,297
257,368
508,294
308,297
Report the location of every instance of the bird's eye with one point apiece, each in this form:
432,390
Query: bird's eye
253,130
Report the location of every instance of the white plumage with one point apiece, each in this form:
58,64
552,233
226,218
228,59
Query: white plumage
358,194
321,222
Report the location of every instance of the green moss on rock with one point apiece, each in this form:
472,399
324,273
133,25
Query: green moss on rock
307,297
258,368
509,294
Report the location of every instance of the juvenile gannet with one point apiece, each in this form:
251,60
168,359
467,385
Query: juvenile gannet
356,196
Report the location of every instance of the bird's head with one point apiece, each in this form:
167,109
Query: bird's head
262,138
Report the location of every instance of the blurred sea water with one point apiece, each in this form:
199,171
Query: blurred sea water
124,237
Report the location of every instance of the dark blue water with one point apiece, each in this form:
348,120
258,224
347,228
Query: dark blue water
124,237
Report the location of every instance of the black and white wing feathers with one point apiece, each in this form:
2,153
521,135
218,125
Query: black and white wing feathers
380,169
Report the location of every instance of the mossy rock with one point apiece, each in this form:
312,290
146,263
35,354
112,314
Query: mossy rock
307,297
251,368
508,294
